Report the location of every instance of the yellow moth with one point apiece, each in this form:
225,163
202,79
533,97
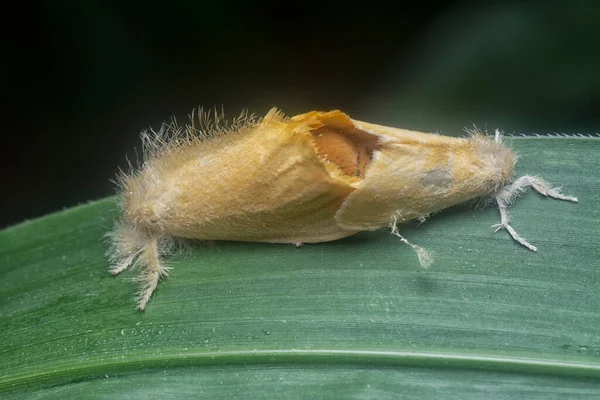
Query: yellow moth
314,177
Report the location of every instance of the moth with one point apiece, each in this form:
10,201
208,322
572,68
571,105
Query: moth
314,177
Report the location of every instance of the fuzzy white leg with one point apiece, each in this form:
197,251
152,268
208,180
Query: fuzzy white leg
125,245
425,258
122,265
543,187
507,194
505,224
151,270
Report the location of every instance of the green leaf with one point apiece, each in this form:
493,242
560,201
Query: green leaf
354,318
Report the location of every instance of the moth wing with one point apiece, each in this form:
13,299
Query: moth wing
394,183
387,190
409,177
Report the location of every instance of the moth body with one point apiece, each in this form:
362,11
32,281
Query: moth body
315,177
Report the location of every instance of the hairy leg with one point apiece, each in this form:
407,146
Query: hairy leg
425,258
151,270
505,196
125,245
130,247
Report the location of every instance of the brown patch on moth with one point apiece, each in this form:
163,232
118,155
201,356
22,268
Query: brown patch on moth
351,153
311,178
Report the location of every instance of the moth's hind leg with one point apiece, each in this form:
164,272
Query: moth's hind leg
151,270
506,195
130,246
126,242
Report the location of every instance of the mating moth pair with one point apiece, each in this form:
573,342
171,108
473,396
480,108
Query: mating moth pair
314,177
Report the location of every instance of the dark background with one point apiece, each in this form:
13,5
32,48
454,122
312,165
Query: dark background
80,79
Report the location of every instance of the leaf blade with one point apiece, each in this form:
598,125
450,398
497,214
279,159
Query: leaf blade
485,304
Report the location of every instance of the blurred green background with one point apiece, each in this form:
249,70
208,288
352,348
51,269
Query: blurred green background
81,79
